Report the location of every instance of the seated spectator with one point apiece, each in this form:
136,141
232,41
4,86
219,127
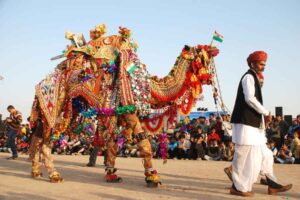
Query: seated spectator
22,146
222,149
229,151
187,146
197,132
200,147
213,151
75,145
177,135
273,148
295,125
3,143
205,143
193,153
61,145
181,153
55,147
295,146
284,155
172,148
213,136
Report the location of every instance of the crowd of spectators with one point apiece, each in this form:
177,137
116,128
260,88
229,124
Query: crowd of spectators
197,139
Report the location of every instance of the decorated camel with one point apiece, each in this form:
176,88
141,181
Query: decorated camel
104,80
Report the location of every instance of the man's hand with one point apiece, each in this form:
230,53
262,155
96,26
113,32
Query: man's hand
268,120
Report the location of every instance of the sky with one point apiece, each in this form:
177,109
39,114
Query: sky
32,31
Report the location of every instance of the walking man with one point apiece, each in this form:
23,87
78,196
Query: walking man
252,156
13,122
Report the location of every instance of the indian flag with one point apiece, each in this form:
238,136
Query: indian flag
130,68
218,37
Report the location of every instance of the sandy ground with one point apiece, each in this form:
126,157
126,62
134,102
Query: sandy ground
181,180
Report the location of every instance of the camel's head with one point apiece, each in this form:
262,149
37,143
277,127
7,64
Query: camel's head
201,58
193,68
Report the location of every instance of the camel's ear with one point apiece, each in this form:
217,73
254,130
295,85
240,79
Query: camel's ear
187,48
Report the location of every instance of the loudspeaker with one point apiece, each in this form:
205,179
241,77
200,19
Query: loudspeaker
288,119
278,111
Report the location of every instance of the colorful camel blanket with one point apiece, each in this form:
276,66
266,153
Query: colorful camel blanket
47,92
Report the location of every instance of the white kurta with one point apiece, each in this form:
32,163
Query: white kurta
247,135
252,156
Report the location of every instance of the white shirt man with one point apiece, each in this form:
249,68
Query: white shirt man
252,156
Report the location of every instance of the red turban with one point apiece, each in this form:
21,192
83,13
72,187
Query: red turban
257,56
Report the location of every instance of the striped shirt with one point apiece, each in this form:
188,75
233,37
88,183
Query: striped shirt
16,120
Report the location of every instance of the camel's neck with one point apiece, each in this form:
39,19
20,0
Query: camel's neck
171,86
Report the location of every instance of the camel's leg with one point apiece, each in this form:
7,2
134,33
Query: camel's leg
145,151
112,149
31,149
152,179
54,175
35,156
45,150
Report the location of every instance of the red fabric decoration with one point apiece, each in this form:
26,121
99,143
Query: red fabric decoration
186,108
154,125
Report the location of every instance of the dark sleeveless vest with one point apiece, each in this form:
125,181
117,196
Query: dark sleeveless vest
242,112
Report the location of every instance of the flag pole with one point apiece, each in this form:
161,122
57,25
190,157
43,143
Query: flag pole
212,41
211,44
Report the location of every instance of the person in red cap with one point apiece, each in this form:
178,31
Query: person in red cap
252,156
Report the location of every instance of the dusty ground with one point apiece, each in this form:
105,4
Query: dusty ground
181,180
